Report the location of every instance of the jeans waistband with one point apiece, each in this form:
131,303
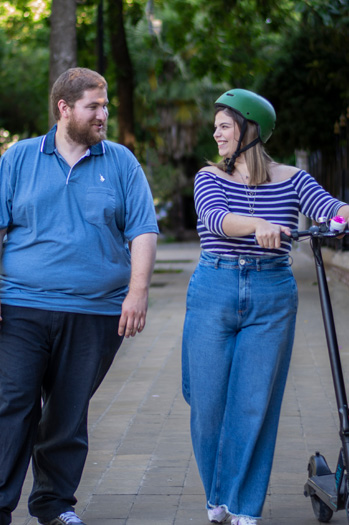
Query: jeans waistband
244,261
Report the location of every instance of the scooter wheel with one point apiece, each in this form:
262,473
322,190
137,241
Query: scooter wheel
318,467
321,511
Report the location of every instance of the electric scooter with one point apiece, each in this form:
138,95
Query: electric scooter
328,491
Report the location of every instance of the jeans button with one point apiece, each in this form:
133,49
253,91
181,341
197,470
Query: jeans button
242,262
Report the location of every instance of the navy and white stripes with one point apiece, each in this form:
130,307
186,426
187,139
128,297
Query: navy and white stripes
279,203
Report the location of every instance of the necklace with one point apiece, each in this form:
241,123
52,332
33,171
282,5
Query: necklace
250,194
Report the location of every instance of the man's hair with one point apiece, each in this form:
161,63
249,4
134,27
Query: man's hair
71,85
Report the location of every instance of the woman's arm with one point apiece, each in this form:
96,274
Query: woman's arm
213,211
344,212
267,233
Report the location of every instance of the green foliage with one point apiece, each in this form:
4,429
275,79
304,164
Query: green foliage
293,52
185,53
333,13
307,80
24,56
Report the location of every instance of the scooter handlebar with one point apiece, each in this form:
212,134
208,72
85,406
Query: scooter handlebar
313,231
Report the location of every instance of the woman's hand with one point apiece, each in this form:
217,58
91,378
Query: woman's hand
268,234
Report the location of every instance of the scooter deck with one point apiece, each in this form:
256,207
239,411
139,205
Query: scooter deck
325,488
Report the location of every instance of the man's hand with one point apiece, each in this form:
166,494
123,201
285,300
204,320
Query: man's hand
133,314
135,305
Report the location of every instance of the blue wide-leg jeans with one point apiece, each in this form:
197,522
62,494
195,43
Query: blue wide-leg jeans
237,343
51,363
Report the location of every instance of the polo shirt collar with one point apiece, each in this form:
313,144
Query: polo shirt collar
48,145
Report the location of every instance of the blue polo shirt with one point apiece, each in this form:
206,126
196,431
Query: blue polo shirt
69,227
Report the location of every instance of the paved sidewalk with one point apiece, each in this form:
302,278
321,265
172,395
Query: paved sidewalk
140,469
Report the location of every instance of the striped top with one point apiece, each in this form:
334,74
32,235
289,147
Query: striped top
279,203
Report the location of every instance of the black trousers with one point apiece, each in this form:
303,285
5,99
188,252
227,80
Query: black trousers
51,363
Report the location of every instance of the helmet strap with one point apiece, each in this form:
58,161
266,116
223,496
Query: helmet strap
230,162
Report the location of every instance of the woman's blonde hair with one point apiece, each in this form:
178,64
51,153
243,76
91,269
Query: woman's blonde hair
257,159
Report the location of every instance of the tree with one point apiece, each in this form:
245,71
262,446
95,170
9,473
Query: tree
167,60
24,58
307,79
123,71
63,40
201,50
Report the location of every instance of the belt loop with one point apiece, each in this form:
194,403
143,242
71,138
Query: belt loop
258,264
216,263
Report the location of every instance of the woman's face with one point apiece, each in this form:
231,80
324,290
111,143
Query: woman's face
226,134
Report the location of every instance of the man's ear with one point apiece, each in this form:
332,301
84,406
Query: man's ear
64,109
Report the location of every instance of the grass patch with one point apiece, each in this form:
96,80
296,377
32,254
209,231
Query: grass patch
169,261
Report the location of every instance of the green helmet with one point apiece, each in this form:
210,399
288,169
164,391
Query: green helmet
252,107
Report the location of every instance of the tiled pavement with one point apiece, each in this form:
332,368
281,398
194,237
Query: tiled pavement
140,469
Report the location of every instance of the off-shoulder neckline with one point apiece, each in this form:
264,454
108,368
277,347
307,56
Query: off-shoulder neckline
241,184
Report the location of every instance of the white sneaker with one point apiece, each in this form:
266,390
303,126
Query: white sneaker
243,520
67,518
217,515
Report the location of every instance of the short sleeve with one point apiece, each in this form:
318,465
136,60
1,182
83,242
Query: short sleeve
140,211
6,193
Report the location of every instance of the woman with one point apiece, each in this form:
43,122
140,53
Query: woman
241,305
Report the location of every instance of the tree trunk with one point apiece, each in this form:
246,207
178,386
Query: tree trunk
100,38
124,73
63,42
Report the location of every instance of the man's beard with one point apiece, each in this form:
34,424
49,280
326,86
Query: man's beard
86,134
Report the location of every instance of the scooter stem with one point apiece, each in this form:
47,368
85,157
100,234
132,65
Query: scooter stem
332,343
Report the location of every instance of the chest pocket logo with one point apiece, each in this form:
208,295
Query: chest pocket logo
100,205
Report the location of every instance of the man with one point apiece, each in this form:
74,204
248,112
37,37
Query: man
71,204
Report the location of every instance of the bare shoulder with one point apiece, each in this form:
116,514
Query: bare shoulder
211,169
281,172
216,171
